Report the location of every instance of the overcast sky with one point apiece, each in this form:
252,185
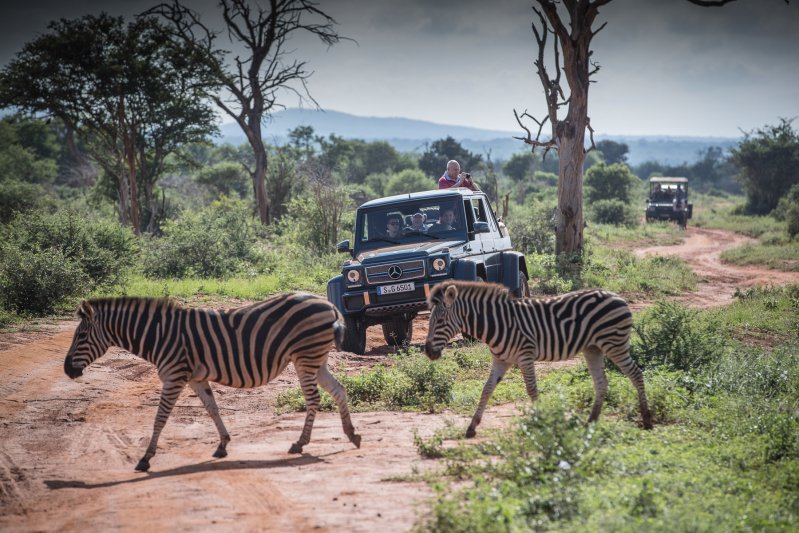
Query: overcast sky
667,67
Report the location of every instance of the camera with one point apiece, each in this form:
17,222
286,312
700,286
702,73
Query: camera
466,175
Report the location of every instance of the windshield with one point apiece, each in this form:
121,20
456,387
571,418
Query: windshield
417,221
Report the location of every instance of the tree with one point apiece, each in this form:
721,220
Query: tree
609,182
407,181
519,166
613,152
252,82
768,159
433,161
131,98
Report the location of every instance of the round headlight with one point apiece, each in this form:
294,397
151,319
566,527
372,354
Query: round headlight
353,276
439,264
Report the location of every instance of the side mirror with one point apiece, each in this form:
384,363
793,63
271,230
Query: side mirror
481,227
343,247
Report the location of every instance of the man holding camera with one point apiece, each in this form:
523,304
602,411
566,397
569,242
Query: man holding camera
453,177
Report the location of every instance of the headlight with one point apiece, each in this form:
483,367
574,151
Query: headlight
353,276
439,264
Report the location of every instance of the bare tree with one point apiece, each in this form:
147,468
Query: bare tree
568,132
251,84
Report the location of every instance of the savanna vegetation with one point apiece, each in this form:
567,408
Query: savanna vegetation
104,200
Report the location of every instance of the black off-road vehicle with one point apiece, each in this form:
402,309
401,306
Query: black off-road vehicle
668,200
446,234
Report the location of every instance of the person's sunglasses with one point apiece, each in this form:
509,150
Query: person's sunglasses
393,223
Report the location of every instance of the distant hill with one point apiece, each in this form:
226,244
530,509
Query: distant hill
408,135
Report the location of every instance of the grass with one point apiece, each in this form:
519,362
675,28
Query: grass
724,454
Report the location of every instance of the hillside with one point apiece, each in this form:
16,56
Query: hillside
410,135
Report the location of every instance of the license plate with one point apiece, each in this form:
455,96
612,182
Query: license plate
399,287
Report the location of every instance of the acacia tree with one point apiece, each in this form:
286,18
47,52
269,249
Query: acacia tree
130,98
251,83
570,25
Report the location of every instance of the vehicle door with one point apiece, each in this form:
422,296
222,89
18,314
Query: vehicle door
492,256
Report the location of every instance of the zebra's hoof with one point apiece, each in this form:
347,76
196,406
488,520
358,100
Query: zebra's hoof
143,466
296,448
356,440
220,452
470,432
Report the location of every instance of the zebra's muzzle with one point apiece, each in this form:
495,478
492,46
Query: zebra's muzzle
72,371
431,352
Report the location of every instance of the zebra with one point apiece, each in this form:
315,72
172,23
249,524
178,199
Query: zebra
244,347
520,331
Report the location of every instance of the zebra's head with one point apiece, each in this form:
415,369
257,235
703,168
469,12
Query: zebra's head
88,344
445,322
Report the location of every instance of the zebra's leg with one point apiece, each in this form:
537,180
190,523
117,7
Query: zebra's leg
203,390
498,369
596,366
527,366
311,393
339,394
627,365
169,396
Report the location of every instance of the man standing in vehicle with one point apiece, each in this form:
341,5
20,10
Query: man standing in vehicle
453,177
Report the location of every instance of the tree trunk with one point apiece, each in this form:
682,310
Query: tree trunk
252,127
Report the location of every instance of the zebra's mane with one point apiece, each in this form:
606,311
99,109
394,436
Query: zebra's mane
474,288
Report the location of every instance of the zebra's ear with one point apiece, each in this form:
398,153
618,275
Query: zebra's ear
450,294
85,310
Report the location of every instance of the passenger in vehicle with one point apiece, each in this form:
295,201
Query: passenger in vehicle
446,220
417,223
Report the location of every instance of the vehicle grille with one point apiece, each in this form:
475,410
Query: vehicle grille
377,274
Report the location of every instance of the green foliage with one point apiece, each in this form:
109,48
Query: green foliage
407,181
788,210
671,336
38,281
100,249
533,232
217,241
226,178
433,162
609,182
19,197
768,159
24,157
612,151
612,211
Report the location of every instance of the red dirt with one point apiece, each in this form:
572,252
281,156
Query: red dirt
68,448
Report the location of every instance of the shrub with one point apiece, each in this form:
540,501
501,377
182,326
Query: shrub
49,257
612,211
18,197
671,336
533,233
217,241
609,182
38,281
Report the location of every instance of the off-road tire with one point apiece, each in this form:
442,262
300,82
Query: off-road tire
524,288
398,330
354,335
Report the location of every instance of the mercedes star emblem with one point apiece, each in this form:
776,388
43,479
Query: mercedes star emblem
394,272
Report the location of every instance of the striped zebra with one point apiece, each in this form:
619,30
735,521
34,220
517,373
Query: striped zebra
520,331
244,347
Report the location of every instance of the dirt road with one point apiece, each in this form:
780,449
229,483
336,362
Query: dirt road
68,448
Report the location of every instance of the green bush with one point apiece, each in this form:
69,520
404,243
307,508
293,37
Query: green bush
534,232
613,211
19,197
38,281
672,336
217,241
47,258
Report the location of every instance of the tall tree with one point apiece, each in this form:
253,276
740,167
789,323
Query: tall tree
434,160
129,97
768,159
252,83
